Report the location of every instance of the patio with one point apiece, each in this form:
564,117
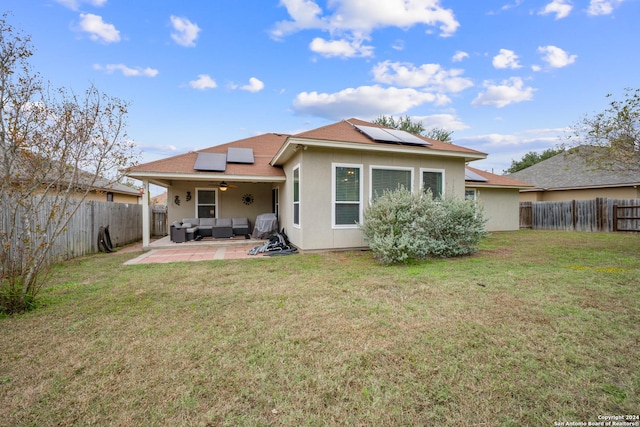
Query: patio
164,250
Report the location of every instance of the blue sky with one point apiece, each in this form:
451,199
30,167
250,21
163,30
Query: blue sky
506,76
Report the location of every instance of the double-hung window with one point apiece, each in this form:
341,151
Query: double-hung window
206,199
433,179
384,178
347,195
296,196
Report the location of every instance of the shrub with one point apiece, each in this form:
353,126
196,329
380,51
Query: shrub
401,226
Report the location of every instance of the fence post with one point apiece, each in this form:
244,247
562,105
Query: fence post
615,217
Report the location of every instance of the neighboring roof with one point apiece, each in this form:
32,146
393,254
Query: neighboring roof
263,146
160,199
571,170
27,163
344,134
493,180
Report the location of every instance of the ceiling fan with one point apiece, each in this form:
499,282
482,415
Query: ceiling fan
224,186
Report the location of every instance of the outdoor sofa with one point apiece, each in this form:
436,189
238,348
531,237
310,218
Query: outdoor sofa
210,227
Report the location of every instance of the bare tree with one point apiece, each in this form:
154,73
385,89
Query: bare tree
612,136
55,148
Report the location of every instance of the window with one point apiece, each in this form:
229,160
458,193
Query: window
296,196
433,179
385,178
206,201
470,194
109,196
347,195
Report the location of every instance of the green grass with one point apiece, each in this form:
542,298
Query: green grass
538,327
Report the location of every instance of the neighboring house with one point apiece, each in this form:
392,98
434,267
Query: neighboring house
569,176
318,182
159,200
115,192
498,195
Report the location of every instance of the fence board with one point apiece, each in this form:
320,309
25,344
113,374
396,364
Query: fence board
581,215
81,233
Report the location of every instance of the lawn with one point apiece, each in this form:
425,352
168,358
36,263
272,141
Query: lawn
537,328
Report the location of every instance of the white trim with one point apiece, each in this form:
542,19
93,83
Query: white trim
475,194
216,205
293,192
287,149
334,166
383,167
444,182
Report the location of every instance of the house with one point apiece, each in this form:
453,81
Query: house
317,182
159,200
499,196
116,192
570,176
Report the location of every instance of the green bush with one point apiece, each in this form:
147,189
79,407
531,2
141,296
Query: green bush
401,226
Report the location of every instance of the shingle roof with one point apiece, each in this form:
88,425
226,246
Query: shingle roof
345,131
264,147
572,170
494,180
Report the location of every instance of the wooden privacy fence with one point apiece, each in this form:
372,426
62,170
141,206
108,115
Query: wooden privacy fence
158,220
601,214
81,234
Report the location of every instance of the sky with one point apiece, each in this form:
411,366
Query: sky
506,76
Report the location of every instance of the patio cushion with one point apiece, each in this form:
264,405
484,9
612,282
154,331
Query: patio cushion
207,222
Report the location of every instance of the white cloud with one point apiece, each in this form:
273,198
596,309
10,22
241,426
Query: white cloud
203,82
127,71
602,7
562,8
359,18
509,92
427,76
340,48
75,4
363,101
449,122
506,59
556,57
98,29
254,85
185,32
459,56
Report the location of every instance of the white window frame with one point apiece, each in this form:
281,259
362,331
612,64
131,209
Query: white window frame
397,168
475,194
217,203
293,194
444,182
334,166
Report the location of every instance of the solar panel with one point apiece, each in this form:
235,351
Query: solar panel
378,134
406,137
212,162
391,135
240,155
472,176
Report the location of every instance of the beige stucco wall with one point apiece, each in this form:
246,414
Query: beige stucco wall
117,197
587,194
229,203
316,231
501,207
